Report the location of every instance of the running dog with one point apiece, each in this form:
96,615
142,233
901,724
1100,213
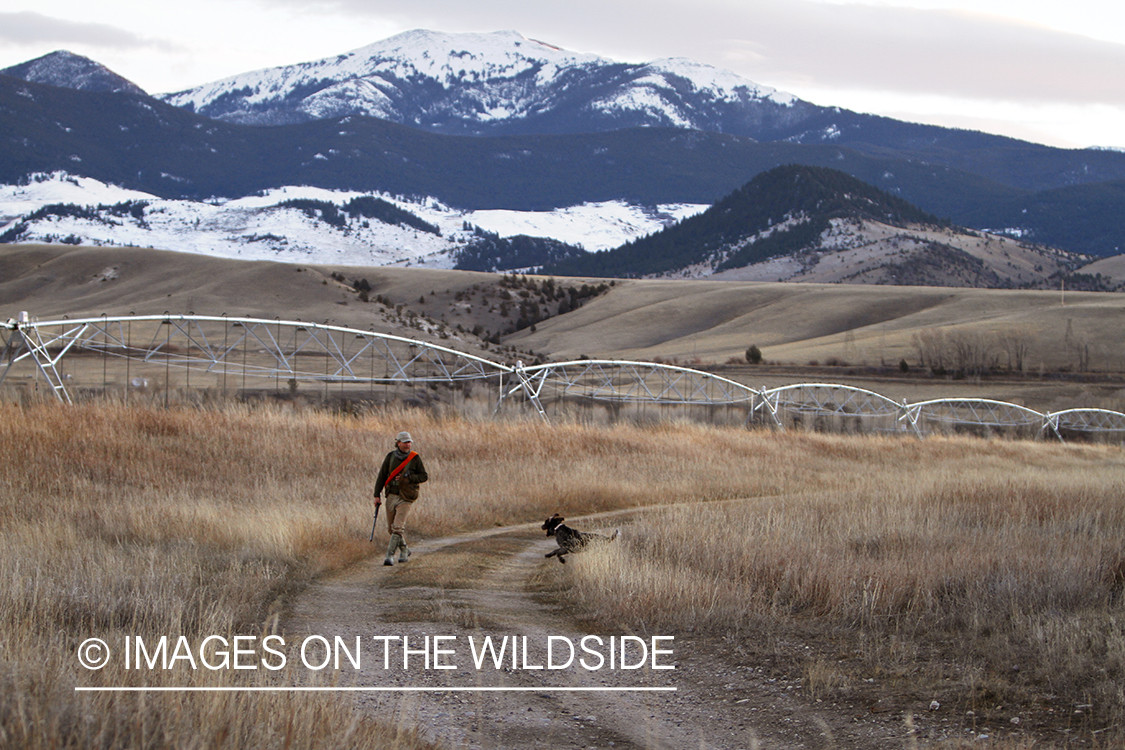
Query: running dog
571,540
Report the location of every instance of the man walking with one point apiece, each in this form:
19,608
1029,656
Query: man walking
401,473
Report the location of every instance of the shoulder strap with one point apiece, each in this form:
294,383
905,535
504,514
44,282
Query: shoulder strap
401,466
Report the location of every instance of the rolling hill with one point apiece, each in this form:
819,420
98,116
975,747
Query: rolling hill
708,323
801,223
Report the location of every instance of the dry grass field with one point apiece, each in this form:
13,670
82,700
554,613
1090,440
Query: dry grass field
52,281
988,586
710,322
696,323
1111,266
985,575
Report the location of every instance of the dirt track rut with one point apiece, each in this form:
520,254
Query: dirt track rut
482,584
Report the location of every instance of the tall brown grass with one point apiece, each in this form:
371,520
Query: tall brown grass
119,521
990,572
137,522
122,521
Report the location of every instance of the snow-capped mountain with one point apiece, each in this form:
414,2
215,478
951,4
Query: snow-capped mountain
72,71
491,83
299,224
578,133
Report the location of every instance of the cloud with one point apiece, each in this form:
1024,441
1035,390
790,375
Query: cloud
944,52
28,28
803,43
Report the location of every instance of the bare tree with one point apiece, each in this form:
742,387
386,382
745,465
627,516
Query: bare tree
930,345
972,352
1016,341
1077,346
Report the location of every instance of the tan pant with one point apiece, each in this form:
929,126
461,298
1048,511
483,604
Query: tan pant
397,510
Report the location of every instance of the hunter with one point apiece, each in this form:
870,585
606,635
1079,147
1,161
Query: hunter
400,475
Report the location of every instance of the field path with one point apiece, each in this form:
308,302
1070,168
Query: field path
485,584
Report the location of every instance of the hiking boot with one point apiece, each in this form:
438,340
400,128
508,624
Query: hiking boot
394,544
403,553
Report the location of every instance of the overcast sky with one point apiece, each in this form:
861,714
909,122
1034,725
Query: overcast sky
1051,72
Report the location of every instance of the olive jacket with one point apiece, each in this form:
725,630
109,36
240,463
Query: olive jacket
415,473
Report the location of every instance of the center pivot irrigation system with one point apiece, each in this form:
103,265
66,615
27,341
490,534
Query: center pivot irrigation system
162,353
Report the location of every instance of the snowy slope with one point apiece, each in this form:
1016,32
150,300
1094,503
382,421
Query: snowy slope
368,73
260,228
72,71
59,187
475,82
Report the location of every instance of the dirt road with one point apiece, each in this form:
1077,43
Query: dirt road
485,584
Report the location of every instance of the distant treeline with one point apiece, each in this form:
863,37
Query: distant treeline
364,206
491,252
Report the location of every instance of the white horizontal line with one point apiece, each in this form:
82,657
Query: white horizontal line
266,689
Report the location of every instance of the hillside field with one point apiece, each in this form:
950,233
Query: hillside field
1045,349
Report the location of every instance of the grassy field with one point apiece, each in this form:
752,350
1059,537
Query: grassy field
697,323
971,578
987,574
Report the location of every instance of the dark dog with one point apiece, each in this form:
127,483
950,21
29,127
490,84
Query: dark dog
571,540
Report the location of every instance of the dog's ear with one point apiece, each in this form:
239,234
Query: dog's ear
551,524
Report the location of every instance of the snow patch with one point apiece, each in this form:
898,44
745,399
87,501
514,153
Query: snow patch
259,227
40,189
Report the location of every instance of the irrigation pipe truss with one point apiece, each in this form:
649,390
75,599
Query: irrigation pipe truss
223,351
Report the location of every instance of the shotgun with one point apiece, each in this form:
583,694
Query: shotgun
375,521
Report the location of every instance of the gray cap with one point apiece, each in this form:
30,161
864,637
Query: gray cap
404,437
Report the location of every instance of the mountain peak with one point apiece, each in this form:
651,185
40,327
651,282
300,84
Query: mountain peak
68,70
436,39
453,58
425,42
498,83
781,211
